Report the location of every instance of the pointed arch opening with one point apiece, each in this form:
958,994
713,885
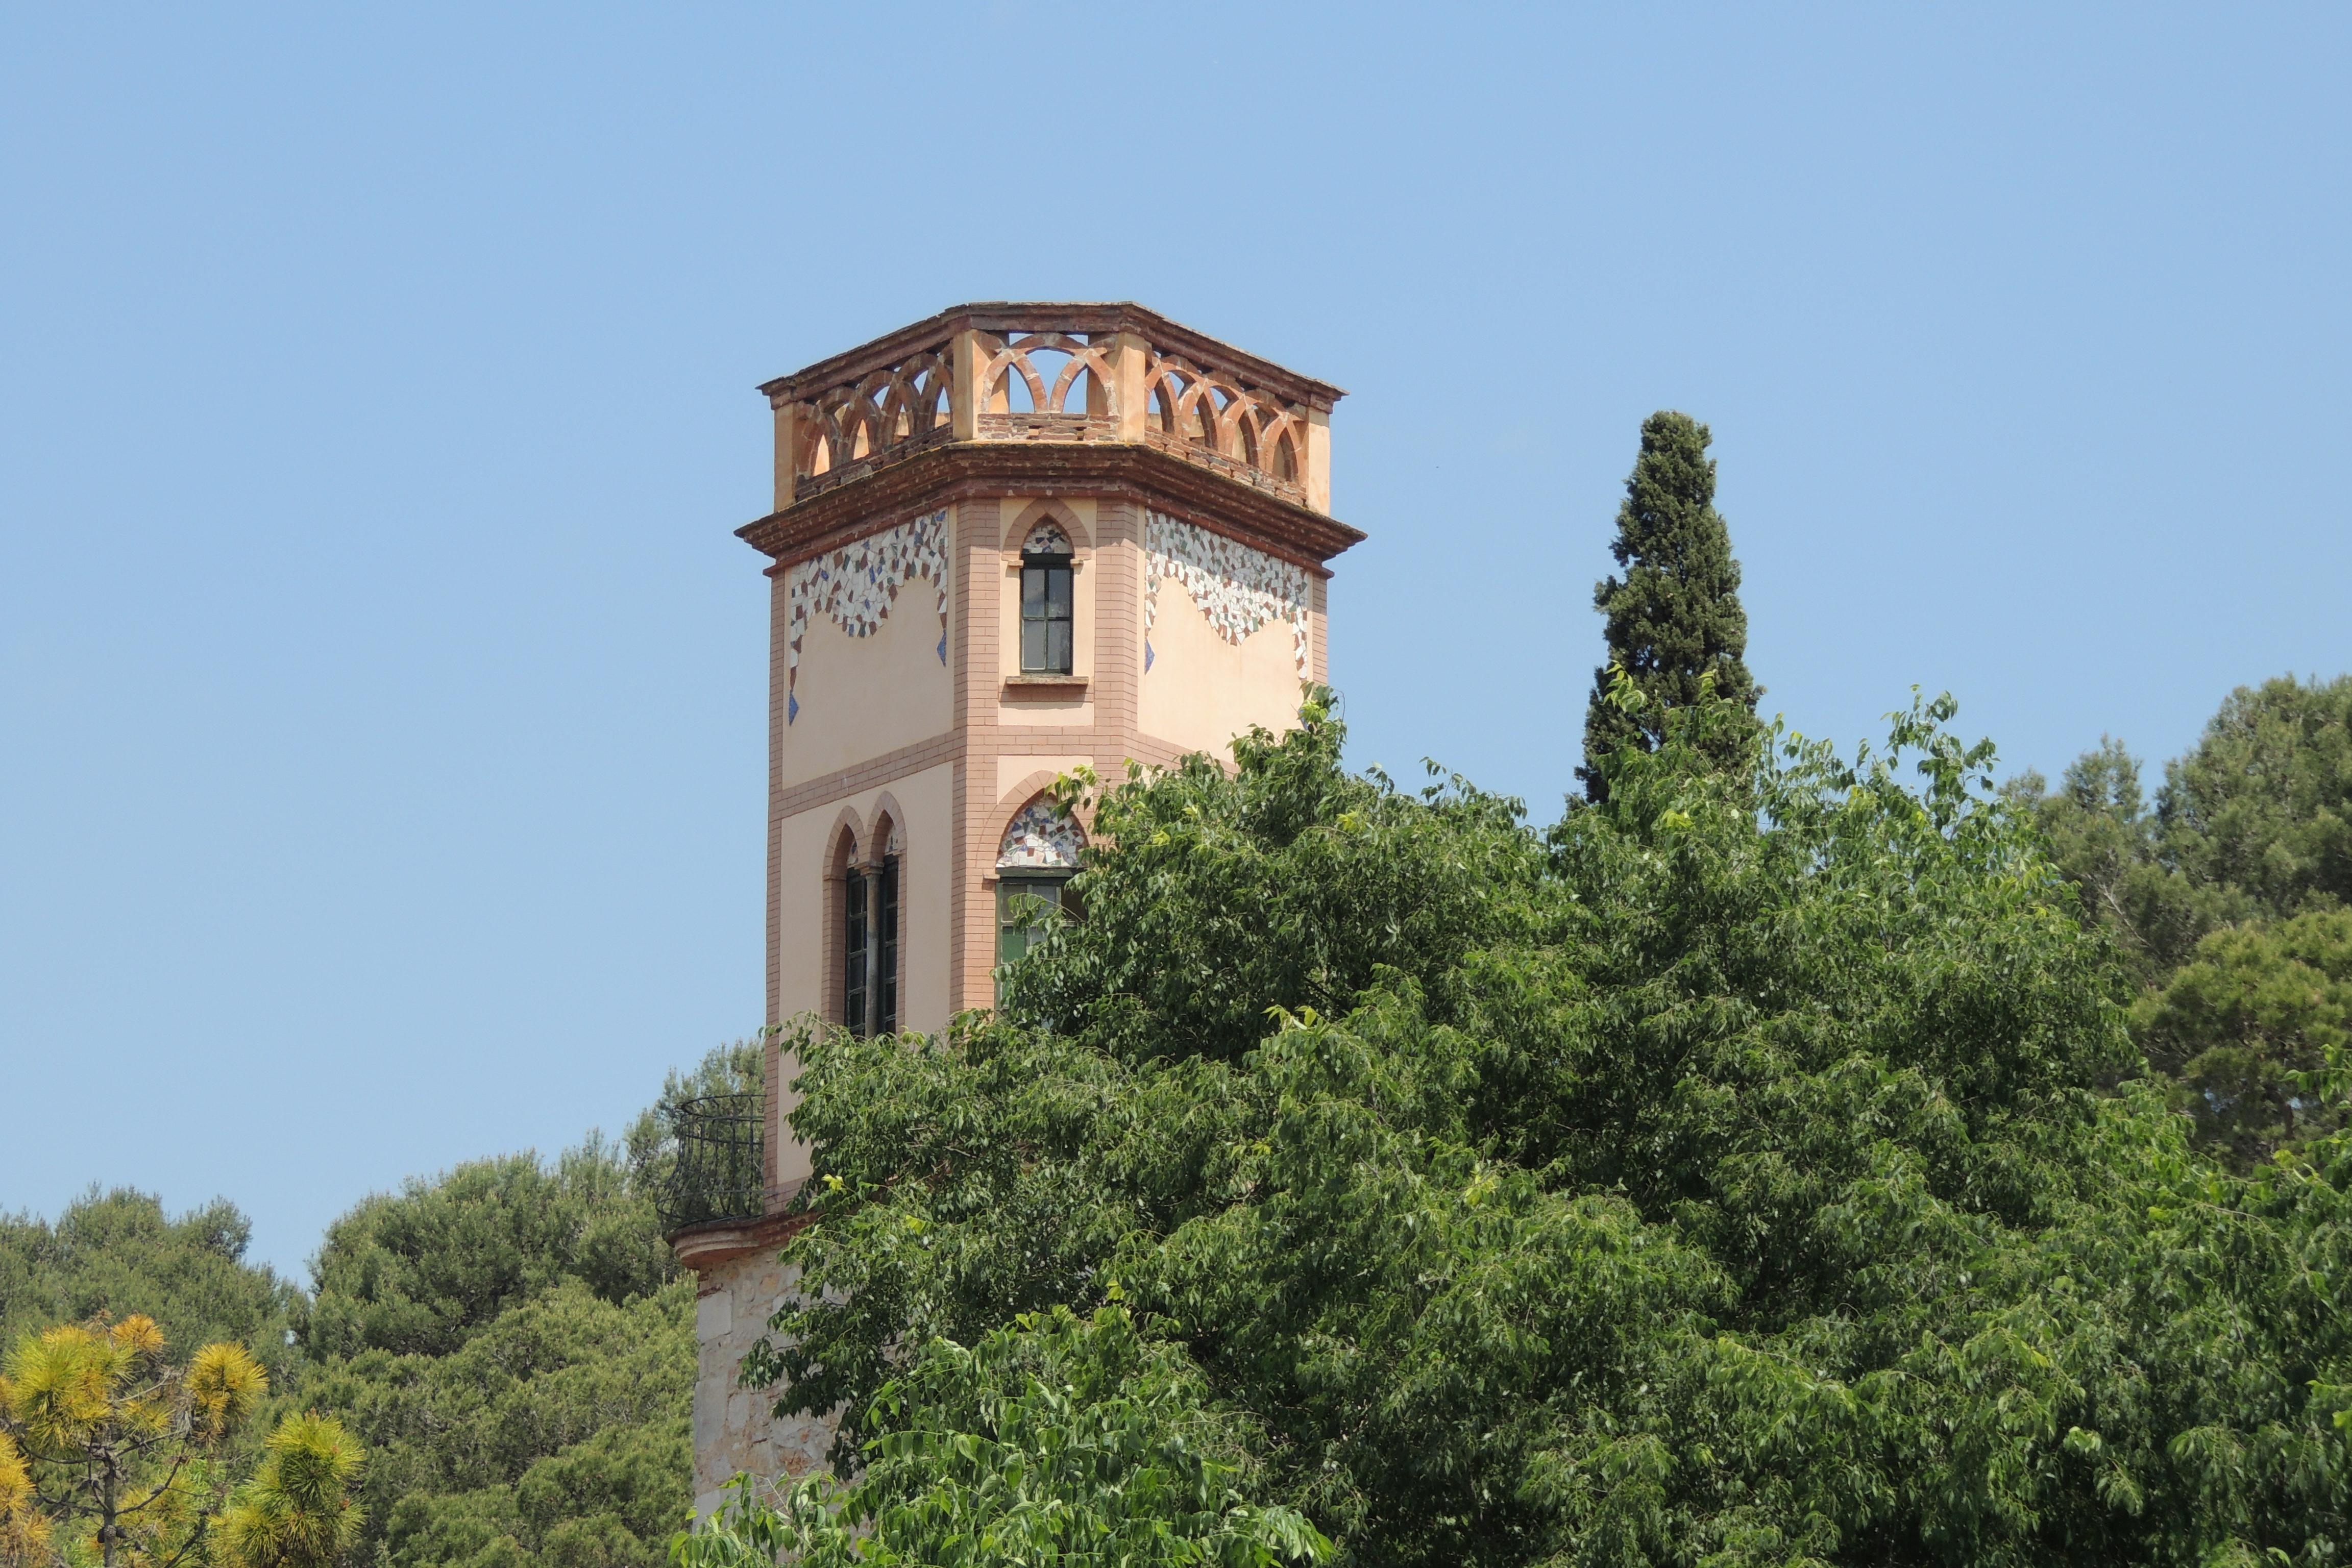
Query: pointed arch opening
863,920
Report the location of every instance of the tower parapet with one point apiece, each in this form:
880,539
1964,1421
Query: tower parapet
1066,373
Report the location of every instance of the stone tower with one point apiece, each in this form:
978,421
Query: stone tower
1007,539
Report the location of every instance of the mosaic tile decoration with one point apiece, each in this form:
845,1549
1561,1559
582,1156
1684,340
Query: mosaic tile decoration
1238,588
1046,539
856,584
1040,838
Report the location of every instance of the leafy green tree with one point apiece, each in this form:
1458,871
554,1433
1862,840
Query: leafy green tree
2250,829
2255,821
118,1254
2262,803
2248,1026
1675,617
1055,1439
1724,1176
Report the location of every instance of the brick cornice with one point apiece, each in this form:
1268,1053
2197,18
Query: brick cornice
702,1247
1160,480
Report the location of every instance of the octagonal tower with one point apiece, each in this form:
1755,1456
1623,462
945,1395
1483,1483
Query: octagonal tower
1007,540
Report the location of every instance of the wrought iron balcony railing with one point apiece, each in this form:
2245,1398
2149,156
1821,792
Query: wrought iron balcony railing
719,1172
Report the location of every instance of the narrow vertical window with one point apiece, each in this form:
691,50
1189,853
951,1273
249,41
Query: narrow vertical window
886,947
854,953
1046,614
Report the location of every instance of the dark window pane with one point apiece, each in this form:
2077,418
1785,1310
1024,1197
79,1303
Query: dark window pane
853,952
1045,616
886,949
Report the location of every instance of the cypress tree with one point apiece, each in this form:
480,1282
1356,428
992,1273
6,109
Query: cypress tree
1675,616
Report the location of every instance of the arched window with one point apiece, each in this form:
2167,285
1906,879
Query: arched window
1039,853
870,944
1046,615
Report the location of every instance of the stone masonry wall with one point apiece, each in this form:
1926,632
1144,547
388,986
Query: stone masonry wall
732,1429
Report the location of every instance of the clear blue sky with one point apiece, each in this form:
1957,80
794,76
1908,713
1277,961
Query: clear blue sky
380,684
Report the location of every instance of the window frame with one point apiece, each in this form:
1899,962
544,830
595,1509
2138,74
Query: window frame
886,947
857,948
869,924
1054,566
1011,885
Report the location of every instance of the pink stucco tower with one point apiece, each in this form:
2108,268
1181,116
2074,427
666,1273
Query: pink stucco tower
1007,540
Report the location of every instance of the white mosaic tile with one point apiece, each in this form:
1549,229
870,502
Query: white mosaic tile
856,584
1239,589
1042,838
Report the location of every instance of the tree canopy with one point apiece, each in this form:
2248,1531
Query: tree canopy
2217,896
515,1343
112,1454
510,1339
1732,1174
1673,619
119,1253
2262,803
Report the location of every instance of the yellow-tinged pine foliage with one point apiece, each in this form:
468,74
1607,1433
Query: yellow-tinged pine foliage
224,1384
61,1385
24,1533
297,1511
138,1444
138,1336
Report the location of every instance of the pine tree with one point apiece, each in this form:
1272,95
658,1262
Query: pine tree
1675,616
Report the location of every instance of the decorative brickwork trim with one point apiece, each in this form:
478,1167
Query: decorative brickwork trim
940,475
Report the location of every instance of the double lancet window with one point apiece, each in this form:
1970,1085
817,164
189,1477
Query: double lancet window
1045,602
869,945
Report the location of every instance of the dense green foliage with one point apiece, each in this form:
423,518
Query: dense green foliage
2211,895
1674,618
2262,805
2100,830
515,1345
1728,1175
1054,1439
2250,1023
556,1432
512,1340
118,1253
421,1272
